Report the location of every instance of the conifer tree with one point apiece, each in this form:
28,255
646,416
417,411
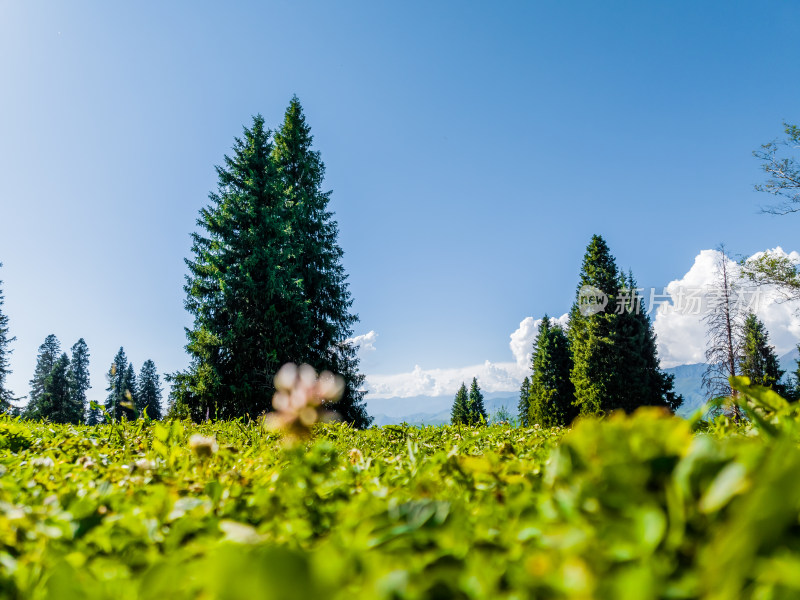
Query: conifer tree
46,359
6,396
758,360
459,415
79,374
477,411
615,361
148,393
93,415
265,284
119,403
552,395
56,403
523,407
316,263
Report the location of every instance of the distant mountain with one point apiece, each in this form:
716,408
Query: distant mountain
435,410
430,410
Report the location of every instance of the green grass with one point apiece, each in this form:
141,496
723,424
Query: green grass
629,507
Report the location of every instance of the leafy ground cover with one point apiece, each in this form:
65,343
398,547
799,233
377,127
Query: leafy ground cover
641,506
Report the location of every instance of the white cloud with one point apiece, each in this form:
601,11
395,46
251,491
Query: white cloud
680,328
365,342
492,376
522,339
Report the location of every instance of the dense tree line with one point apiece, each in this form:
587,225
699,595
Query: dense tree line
606,359
266,285
60,383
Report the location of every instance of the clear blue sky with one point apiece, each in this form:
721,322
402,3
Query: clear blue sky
472,150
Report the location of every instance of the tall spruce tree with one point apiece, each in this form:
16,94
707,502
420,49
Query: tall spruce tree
46,359
477,411
615,362
523,407
266,285
315,262
79,374
552,395
240,290
119,402
148,393
6,396
459,415
758,360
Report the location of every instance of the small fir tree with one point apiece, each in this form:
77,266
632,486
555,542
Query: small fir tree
46,359
148,394
459,415
477,411
552,394
119,403
79,374
758,360
523,407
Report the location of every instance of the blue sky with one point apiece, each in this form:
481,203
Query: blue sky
472,152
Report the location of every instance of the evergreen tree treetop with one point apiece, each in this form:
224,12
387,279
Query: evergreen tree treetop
477,411
599,269
758,360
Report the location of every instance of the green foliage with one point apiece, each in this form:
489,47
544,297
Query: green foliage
523,406
634,506
459,415
265,284
6,396
551,394
780,163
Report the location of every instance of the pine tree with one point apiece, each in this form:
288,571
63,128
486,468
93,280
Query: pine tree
477,411
316,263
552,395
148,393
266,285
524,401
79,374
615,360
94,416
119,403
6,396
46,359
459,415
245,302
758,360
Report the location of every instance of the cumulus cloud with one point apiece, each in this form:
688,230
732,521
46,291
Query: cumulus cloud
492,376
522,339
365,342
679,322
